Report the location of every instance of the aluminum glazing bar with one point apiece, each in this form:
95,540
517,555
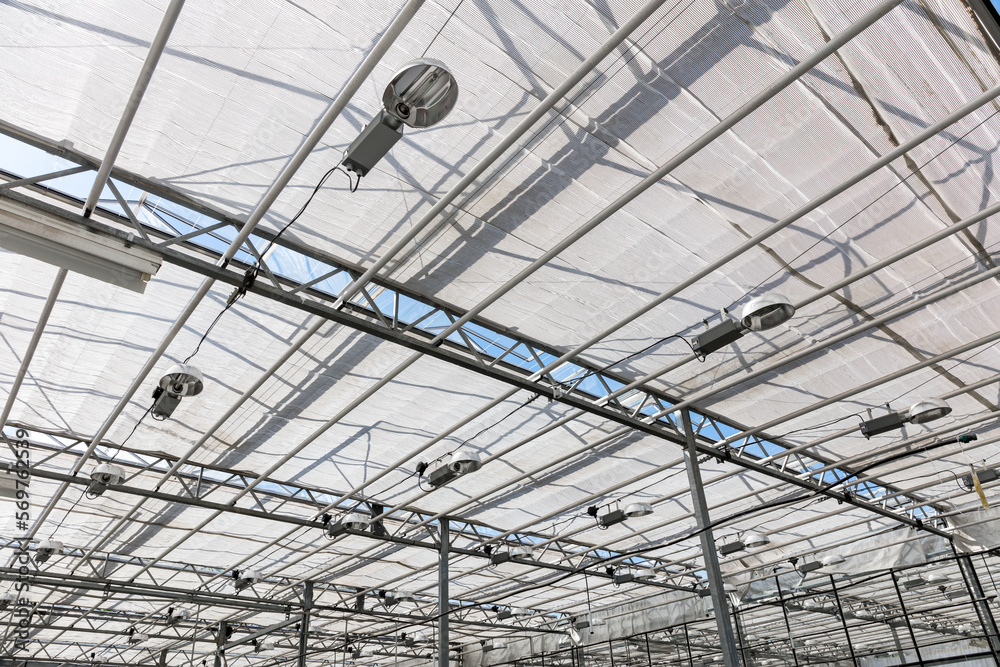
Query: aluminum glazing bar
557,94
310,143
36,336
132,105
704,140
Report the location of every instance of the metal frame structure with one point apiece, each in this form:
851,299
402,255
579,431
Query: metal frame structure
643,409
869,609
389,312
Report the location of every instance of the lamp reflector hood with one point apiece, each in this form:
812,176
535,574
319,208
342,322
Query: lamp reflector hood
766,312
182,380
638,509
465,461
754,540
927,410
421,93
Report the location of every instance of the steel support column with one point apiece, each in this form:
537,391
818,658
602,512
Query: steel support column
443,595
978,596
220,642
700,508
741,641
307,603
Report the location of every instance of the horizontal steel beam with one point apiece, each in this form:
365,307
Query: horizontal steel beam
60,581
518,355
421,342
320,526
200,480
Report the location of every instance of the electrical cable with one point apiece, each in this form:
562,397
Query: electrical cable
229,304
817,426
525,404
572,382
422,467
250,275
353,187
958,362
118,449
83,492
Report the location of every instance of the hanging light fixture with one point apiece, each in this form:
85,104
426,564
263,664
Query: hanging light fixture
46,549
104,475
927,410
179,381
353,521
766,312
755,540
760,314
412,639
921,412
246,579
494,645
462,462
731,547
421,94
632,510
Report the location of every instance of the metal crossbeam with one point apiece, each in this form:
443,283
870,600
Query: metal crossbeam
489,345
422,540
471,614
274,494
457,354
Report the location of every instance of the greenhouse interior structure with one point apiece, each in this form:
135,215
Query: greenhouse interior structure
468,333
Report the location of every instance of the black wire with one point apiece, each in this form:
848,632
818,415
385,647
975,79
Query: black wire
229,304
55,530
118,449
251,273
648,347
603,369
533,398
352,185
528,402
818,426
